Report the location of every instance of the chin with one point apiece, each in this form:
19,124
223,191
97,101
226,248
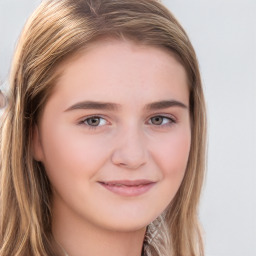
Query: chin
129,222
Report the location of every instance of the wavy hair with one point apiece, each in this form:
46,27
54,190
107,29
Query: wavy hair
55,31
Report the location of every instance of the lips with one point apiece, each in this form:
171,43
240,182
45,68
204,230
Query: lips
128,187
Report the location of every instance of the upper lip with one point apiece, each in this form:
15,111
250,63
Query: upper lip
127,182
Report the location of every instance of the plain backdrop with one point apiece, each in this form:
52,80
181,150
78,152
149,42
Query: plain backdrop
223,33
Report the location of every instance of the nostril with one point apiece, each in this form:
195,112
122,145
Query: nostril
127,161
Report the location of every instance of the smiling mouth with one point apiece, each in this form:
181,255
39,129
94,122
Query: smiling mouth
128,187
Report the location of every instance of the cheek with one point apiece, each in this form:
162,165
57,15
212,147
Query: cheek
70,155
171,154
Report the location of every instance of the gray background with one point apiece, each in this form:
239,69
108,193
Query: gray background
223,33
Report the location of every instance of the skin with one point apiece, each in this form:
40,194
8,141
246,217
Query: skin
128,142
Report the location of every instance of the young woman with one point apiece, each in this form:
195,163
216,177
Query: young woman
103,138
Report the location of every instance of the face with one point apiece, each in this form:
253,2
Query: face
114,136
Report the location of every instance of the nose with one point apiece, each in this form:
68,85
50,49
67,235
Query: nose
130,150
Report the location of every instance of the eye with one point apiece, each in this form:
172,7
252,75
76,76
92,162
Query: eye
161,120
94,121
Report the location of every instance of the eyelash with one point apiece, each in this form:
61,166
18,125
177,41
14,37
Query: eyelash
171,121
83,122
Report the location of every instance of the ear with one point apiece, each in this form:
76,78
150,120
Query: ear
37,149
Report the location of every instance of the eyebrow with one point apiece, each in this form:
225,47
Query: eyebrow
165,104
114,107
94,105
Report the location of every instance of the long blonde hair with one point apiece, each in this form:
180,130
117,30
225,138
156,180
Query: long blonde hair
57,30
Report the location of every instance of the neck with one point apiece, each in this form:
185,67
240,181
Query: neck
79,238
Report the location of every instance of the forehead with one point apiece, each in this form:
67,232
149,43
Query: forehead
117,66
110,45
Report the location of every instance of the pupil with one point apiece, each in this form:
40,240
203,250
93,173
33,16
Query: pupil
157,120
93,121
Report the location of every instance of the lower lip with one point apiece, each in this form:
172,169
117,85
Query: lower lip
128,190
